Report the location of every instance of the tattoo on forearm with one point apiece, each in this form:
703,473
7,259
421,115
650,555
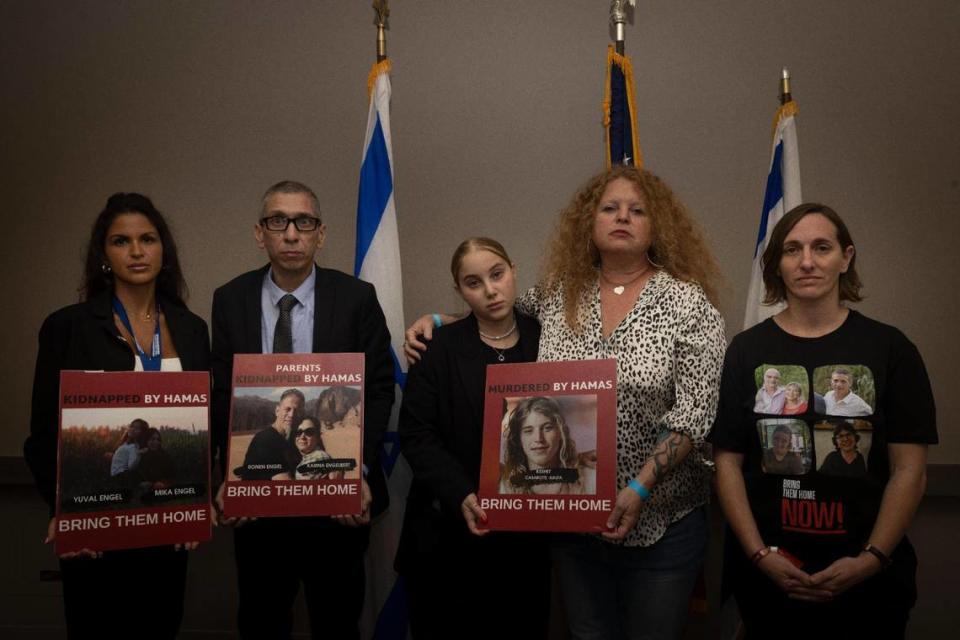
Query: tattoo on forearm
667,454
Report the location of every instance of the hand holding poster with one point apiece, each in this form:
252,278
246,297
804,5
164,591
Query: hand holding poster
549,446
133,460
296,435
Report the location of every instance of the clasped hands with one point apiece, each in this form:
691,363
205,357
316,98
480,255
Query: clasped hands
822,586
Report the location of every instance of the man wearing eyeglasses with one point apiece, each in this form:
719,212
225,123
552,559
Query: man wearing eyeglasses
293,306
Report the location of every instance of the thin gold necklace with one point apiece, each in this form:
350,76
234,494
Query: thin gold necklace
620,288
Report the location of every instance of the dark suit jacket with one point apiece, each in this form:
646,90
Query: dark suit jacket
84,336
441,430
347,318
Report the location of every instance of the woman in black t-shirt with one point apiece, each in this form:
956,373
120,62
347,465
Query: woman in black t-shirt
831,543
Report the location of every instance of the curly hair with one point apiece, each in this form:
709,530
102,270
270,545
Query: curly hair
516,465
843,427
676,244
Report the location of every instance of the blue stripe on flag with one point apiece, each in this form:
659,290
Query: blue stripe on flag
376,185
389,455
392,623
399,375
772,195
621,124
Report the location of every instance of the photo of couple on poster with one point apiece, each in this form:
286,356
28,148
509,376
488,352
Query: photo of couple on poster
307,439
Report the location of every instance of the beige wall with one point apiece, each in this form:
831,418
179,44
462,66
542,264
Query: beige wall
496,120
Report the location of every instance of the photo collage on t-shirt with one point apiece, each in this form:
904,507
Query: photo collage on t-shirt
817,422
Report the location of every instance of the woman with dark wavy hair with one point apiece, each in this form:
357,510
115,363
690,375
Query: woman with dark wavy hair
131,318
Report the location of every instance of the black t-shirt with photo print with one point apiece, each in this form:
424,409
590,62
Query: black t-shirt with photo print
826,512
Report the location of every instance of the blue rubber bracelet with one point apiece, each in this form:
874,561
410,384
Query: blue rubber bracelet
641,490
437,320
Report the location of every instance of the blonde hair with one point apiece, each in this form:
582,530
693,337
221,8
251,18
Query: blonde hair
478,243
676,244
795,385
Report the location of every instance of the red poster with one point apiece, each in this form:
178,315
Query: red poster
549,446
134,460
296,435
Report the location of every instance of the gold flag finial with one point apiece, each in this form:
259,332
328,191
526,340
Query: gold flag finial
382,23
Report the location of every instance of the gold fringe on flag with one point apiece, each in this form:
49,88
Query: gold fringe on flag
383,66
786,110
626,67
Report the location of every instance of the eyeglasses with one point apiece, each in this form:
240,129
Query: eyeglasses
309,432
280,223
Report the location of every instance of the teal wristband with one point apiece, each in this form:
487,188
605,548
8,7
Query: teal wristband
641,490
437,320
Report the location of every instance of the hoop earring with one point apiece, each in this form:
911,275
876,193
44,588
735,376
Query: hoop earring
654,264
105,268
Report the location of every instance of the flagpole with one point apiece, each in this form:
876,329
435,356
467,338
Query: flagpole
383,12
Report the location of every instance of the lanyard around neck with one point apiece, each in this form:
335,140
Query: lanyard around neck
151,362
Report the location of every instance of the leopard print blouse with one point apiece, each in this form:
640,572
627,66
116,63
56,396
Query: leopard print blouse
669,351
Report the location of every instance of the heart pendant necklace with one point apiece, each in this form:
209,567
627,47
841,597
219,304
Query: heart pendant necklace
618,289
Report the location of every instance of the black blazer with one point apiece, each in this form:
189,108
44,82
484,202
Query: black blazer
441,430
346,318
84,336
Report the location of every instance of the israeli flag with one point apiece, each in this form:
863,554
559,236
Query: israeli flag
781,195
378,262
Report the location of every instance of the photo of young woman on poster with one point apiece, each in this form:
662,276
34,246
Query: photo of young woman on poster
540,456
